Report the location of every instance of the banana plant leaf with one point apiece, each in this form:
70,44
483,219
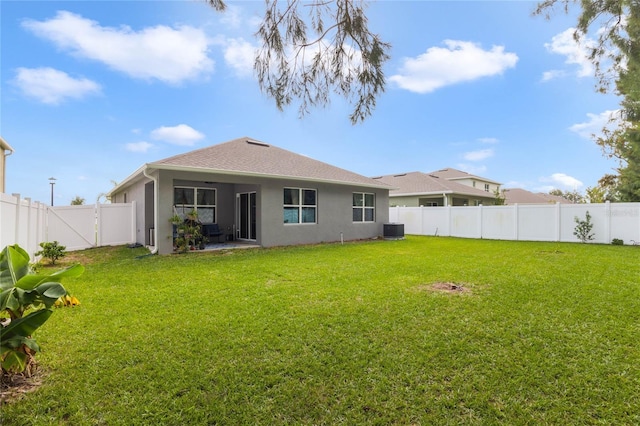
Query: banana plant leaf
25,326
14,264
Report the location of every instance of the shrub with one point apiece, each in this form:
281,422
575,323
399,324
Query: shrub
617,242
583,228
52,251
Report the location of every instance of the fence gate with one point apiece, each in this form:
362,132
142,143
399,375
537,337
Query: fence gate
72,226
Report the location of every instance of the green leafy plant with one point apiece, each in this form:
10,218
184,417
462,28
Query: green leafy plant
583,228
52,251
26,301
188,232
617,242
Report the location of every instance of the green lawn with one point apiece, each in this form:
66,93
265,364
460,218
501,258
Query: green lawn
544,333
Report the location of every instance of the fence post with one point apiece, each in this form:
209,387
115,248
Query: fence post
607,222
134,225
480,221
516,225
16,231
558,222
28,247
98,216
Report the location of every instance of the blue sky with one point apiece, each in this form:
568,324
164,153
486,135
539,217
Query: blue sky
92,90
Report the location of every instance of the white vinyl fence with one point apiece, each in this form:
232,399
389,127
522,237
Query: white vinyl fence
540,222
29,223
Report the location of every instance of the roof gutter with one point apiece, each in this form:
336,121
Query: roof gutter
155,209
6,148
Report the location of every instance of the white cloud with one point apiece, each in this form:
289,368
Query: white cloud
576,52
178,135
596,123
458,62
478,155
51,86
560,181
171,55
550,75
240,55
232,16
488,140
138,146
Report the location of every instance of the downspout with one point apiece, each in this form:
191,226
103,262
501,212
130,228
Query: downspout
155,210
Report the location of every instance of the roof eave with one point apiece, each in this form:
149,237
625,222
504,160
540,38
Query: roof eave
151,166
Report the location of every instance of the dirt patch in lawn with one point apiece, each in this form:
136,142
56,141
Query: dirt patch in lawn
14,386
445,287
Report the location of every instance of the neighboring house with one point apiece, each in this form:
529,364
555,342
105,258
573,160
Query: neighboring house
522,196
464,178
6,151
255,192
421,189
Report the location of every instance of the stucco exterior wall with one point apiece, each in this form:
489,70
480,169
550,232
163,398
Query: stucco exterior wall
334,208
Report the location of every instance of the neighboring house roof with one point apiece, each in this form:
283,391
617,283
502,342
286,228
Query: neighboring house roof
250,157
418,183
522,196
454,174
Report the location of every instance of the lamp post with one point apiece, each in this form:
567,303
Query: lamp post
52,180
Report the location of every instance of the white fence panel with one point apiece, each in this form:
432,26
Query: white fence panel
625,219
72,226
499,223
22,222
116,224
535,222
29,223
465,222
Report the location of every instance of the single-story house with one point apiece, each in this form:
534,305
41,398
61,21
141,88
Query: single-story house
5,151
522,196
417,189
255,192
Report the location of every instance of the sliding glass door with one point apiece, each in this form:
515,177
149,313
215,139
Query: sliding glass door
246,216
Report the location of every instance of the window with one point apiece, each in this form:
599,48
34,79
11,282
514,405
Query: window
364,207
486,187
299,205
202,200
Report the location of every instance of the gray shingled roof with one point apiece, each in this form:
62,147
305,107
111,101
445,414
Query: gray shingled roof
418,183
248,156
453,174
522,196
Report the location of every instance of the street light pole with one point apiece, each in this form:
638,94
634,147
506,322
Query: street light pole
52,180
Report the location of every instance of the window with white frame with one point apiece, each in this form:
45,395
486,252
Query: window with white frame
364,207
202,200
486,187
300,205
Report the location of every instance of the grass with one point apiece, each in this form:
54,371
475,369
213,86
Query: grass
546,333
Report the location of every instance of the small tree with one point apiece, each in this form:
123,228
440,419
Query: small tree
52,251
78,201
583,228
499,198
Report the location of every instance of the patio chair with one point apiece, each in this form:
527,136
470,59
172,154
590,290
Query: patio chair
210,230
